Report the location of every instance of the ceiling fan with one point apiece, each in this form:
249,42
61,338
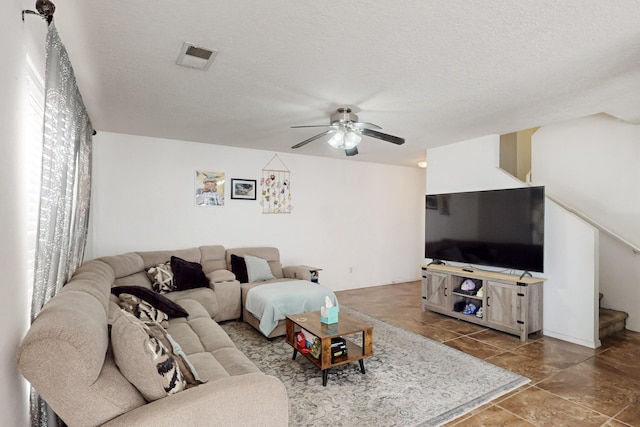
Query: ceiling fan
347,132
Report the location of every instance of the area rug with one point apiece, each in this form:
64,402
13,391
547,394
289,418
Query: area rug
409,381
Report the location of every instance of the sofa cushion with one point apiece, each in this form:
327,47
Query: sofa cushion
173,309
152,258
187,274
208,366
141,278
199,335
206,298
161,278
206,345
220,276
239,268
234,361
258,269
124,264
144,360
213,258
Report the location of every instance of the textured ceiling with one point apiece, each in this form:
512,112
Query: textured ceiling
433,72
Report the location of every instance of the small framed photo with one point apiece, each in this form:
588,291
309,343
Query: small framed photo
243,189
209,188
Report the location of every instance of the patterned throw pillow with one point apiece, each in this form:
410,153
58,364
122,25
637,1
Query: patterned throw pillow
186,368
161,278
173,309
144,361
142,309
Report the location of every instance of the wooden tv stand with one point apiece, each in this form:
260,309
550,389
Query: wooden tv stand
510,303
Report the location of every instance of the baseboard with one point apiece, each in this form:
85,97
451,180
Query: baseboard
585,343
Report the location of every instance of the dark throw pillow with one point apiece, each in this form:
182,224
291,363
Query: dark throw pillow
188,275
160,302
239,268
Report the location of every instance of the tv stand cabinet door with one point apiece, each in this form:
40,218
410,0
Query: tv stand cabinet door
435,290
504,306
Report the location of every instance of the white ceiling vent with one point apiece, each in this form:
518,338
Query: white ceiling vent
193,56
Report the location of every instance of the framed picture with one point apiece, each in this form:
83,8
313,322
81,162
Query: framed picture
243,189
209,188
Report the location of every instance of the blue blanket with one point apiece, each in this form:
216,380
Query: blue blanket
272,302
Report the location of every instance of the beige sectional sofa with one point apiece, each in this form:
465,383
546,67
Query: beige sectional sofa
74,358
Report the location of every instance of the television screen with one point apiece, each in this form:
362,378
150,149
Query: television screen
497,228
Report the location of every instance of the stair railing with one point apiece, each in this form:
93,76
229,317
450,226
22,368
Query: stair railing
594,223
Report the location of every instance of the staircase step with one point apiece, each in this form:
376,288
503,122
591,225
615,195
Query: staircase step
611,321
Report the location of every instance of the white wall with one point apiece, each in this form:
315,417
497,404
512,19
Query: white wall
467,166
571,267
362,223
601,154
592,165
570,260
14,306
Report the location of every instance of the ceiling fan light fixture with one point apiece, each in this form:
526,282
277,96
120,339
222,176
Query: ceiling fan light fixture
346,139
337,140
351,139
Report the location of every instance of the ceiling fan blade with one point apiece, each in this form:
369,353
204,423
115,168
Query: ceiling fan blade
313,138
383,136
311,126
364,125
351,151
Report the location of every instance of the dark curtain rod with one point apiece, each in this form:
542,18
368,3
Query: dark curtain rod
45,10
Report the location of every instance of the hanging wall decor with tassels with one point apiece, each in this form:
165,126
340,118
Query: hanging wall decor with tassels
275,186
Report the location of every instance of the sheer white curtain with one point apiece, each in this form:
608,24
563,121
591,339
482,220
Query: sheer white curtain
65,189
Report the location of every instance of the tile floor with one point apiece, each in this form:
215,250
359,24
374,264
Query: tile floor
570,385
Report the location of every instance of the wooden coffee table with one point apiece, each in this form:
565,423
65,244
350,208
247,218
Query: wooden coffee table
346,325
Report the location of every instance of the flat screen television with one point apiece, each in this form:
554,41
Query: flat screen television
495,228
